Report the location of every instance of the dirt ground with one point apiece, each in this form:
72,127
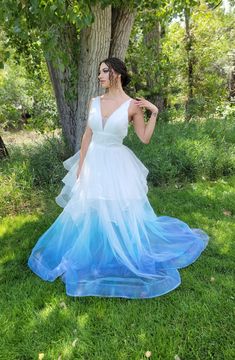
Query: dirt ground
23,137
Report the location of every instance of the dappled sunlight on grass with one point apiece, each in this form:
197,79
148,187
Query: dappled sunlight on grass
83,321
224,236
11,224
46,312
142,337
6,258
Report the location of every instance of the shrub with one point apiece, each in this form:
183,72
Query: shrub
181,151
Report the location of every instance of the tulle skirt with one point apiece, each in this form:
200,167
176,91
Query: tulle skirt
108,241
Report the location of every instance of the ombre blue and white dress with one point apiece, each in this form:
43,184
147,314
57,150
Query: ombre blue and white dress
108,241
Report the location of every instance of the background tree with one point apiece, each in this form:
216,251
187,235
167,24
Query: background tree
145,56
232,78
73,37
186,67
26,94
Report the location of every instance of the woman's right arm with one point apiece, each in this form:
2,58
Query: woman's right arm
86,139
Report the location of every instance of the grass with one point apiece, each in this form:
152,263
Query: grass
193,322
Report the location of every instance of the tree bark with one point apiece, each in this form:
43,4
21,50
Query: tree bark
94,47
121,25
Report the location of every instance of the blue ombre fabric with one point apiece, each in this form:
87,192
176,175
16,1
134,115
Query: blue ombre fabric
108,241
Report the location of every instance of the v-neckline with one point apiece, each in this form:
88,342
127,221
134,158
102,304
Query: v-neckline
101,117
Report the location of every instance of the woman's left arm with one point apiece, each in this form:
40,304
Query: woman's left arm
144,131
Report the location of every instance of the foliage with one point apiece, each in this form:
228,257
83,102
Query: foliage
213,39
214,32
24,93
14,99
141,55
34,25
38,25
45,161
35,165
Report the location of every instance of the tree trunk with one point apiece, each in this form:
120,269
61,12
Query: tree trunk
64,81
231,79
3,149
190,60
153,42
77,83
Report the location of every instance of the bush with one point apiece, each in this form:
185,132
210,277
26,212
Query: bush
22,94
181,151
45,161
36,165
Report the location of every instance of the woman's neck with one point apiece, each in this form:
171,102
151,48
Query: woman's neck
115,92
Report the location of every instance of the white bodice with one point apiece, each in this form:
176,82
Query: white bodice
115,127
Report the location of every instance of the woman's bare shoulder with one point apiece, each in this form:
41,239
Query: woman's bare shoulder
134,108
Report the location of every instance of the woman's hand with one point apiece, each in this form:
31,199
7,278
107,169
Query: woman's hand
146,104
142,129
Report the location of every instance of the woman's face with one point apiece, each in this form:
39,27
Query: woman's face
104,75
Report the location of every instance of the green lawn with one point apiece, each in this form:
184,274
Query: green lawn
194,322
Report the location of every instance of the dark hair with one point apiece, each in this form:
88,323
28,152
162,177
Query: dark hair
119,66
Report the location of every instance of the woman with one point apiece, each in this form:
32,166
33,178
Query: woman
108,241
